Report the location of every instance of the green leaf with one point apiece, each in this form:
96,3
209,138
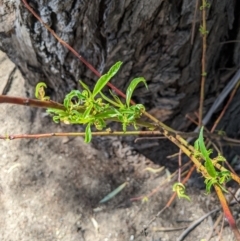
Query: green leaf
84,86
179,188
88,133
87,112
107,114
132,87
40,92
104,79
73,94
117,99
208,162
109,100
113,193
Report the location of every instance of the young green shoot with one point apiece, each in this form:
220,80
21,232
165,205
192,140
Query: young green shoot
214,177
94,108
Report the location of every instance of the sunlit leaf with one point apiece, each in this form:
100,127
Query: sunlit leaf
132,87
208,163
104,79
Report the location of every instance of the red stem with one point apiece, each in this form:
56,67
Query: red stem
227,212
84,61
30,102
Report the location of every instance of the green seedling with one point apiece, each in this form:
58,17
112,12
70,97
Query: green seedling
214,176
180,189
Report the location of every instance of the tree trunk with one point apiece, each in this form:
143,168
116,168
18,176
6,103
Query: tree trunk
151,37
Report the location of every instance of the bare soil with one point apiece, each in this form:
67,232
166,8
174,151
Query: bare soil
51,188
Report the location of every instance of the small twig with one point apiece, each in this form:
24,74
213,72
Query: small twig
149,138
179,164
220,217
194,21
191,119
9,81
164,229
84,61
30,102
195,224
198,221
226,106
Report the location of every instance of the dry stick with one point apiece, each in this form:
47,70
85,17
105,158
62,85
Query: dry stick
9,81
220,217
195,223
226,106
221,115
198,221
179,164
191,119
221,230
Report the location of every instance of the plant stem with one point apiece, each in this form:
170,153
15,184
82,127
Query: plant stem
227,212
204,48
30,102
61,134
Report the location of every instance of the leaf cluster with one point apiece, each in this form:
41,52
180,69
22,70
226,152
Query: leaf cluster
214,177
93,108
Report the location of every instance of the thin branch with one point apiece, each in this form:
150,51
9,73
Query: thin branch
204,49
84,61
61,134
30,102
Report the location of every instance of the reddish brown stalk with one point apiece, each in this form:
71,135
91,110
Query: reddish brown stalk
225,107
84,61
227,212
191,119
30,102
220,117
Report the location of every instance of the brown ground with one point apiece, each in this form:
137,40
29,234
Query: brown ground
51,188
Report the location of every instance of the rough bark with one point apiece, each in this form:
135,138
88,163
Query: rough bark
151,37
